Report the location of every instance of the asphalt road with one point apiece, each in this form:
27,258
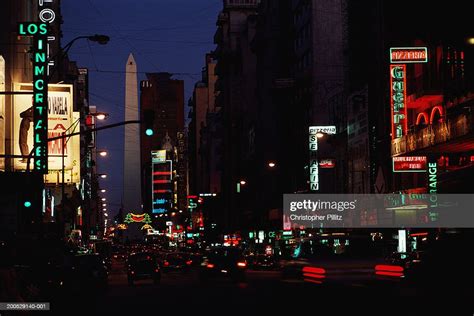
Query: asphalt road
263,293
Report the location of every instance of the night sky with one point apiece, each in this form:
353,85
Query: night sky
163,35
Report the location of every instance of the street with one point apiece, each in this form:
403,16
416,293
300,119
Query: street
181,293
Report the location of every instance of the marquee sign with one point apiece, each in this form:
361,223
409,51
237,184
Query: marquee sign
409,164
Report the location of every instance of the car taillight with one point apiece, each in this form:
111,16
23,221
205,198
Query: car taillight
189,262
210,265
166,263
157,270
389,270
314,274
241,264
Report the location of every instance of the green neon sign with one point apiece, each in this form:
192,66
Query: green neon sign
39,31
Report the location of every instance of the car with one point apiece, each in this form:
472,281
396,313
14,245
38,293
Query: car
143,265
176,261
223,261
87,271
264,262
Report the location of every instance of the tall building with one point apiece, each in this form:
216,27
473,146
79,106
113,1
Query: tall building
132,199
202,104
236,95
274,166
319,71
59,205
165,96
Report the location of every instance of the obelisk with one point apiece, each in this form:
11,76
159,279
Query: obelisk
131,162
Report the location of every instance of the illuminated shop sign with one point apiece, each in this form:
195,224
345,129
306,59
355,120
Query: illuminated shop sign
327,163
398,100
403,55
432,177
314,175
409,164
40,55
313,130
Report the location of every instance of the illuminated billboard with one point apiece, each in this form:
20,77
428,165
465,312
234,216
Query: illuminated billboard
409,164
162,186
158,156
61,119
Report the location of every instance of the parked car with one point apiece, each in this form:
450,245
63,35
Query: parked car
143,265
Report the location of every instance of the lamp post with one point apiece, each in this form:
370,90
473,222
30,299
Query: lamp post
98,38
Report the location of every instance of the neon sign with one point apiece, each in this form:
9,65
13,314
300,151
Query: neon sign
402,55
409,164
162,185
432,177
40,33
314,175
398,100
327,163
137,218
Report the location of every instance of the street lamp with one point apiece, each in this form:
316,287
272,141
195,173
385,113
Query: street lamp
100,115
99,38
470,40
104,204
103,190
102,153
243,182
104,199
103,176
271,164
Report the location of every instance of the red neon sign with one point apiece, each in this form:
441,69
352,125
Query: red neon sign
408,55
398,96
409,164
327,163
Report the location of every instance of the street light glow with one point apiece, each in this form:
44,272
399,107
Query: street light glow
103,153
104,205
470,40
271,164
243,182
103,190
103,176
104,199
101,116
319,135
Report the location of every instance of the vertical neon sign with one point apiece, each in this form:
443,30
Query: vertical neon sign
398,100
41,63
39,31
